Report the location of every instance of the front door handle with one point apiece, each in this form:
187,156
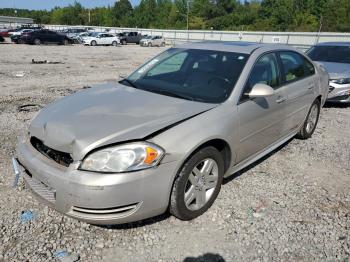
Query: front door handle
280,99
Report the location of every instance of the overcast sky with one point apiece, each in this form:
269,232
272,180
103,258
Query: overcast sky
48,4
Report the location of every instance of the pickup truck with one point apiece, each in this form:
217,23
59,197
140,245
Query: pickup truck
129,37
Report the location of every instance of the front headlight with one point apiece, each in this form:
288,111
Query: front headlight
341,81
123,158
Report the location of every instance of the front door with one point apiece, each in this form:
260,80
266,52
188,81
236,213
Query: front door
260,119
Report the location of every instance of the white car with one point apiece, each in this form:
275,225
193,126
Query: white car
101,39
152,41
21,31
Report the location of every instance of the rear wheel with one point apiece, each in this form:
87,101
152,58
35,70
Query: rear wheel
114,43
309,125
163,44
37,41
20,41
93,43
124,42
197,184
65,42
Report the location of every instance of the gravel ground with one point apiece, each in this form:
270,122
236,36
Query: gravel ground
294,205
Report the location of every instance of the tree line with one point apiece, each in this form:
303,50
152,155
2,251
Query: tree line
264,15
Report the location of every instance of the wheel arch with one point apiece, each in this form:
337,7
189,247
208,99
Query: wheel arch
220,144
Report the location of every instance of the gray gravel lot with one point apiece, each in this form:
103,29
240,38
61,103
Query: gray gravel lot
294,205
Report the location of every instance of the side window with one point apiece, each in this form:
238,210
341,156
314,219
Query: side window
293,66
265,71
309,67
172,64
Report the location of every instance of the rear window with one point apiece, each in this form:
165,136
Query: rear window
335,54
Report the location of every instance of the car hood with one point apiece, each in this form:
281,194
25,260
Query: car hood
336,70
108,114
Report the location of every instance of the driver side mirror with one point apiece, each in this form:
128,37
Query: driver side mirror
261,90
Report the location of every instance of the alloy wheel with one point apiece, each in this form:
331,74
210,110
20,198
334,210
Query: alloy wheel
201,184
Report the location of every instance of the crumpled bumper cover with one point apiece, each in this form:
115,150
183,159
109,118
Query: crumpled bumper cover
339,93
94,197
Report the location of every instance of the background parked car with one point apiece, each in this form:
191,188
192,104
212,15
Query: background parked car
83,35
43,36
73,33
5,32
16,36
152,41
101,39
129,37
2,39
335,57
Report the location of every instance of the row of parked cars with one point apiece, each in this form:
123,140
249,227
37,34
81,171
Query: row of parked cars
37,36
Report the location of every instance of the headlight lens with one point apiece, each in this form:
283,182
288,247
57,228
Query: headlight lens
123,158
341,81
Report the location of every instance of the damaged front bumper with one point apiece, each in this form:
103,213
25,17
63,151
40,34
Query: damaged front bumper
339,93
94,197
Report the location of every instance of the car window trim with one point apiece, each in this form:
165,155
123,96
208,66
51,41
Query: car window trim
240,101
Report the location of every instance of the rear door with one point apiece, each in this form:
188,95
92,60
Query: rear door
261,118
298,76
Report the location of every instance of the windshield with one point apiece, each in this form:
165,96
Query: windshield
335,54
93,34
198,75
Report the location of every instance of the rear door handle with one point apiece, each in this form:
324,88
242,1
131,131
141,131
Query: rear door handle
280,99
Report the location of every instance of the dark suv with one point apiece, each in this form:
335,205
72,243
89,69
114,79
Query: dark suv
38,37
129,37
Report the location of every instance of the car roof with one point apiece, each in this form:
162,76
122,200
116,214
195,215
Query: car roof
333,44
232,46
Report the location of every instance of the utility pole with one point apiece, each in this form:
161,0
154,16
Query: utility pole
89,16
319,30
188,11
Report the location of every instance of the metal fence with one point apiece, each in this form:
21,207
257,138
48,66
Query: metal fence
301,40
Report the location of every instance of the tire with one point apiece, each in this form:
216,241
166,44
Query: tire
65,42
20,41
310,123
93,43
163,44
149,44
37,41
114,43
124,42
203,193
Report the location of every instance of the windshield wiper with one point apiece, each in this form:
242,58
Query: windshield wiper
168,93
130,83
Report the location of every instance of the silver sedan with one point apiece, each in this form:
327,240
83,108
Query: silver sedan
335,57
165,137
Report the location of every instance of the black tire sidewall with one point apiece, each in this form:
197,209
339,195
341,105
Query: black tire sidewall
306,134
37,41
177,206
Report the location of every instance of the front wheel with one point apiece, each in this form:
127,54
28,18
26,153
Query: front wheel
94,43
37,41
197,184
114,43
65,42
309,125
